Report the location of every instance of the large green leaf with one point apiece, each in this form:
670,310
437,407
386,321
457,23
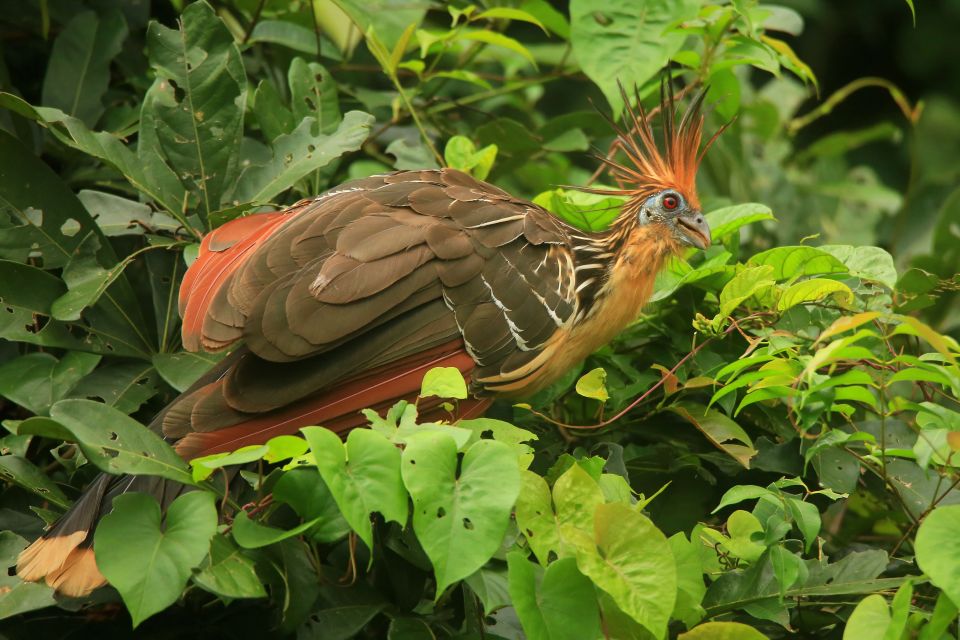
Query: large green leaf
869,263
938,549
560,605
313,94
749,282
813,290
792,262
123,385
459,518
149,559
363,476
870,619
630,559
723,631
182,369
230,573
41,217
192,116
117,443
37,380
388,18
150,175
24,473
549,528
79,68
309,496
723,222
250,534
626,41
298,154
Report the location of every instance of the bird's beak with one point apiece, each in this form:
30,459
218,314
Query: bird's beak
694,229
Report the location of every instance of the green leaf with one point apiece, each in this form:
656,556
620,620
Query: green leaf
123,385
250,534
24,473
868,263
535,517
78,71
720,429
37,380
741,525
119,444
363,476
459,518
117,216
293,36
560,605
587,211
86,281
552,19
742,492
150,175
722,631
690,585
813,290
147,561
388,17
35,209
506,13
443,382
869,620
298,154
807,517
725,221
182,369
497,39
593,384
626,41
576,495
192,117
490,585
944,613
901,612
230,573
749,282
938,549
460,153
792,262
273,116
203,468
308,495
630,559
313,94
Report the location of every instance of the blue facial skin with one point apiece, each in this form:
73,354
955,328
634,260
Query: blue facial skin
687,225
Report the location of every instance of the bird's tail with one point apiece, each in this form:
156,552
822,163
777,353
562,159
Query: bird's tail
64,555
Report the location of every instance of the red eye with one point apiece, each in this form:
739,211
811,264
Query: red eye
670,202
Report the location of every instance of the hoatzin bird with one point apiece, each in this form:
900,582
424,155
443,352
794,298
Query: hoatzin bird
343,302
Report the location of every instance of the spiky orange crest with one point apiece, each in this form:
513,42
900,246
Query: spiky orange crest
649,168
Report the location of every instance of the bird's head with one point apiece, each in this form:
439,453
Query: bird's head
677,216
659,180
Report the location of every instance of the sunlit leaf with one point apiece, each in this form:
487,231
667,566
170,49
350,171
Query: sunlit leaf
149,561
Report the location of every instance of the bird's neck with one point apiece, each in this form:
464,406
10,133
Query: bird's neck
616,269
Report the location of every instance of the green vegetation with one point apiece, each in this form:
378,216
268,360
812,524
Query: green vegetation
767,452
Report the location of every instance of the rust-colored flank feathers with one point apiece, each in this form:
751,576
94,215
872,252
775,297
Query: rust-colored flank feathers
344,301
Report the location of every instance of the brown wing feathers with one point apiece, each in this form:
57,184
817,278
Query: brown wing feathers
343,303
383,253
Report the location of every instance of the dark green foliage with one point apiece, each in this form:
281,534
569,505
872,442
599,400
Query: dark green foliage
769,451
